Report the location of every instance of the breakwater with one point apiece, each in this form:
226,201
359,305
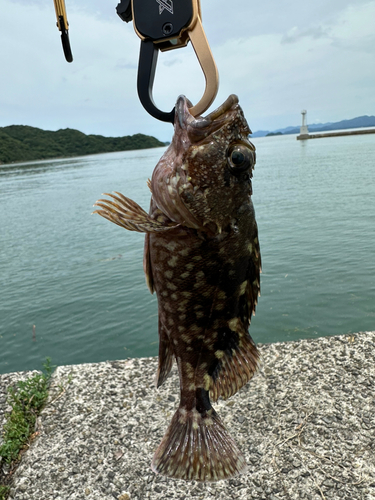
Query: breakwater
305,424
338,133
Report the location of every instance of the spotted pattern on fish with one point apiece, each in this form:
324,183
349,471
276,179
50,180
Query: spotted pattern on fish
202,259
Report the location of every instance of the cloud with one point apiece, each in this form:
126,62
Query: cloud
328,69
124,64
354,29
173,62
318,56
295,34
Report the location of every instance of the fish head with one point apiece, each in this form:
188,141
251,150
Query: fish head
204,177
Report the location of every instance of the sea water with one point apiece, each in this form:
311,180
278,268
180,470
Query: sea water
72,283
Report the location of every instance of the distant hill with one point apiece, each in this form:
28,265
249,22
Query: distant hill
270,134
24,143
360,121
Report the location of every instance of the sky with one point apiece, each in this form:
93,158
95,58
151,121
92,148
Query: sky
278,57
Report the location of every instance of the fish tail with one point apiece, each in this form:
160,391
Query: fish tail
197,447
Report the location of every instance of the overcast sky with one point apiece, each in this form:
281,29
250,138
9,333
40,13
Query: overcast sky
278,56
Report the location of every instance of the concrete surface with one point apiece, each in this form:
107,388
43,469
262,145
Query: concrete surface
306,424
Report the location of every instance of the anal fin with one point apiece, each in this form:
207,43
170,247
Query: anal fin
236,367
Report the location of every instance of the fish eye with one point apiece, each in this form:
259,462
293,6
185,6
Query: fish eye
240,158
237,157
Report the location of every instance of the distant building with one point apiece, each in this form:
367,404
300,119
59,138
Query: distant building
304,131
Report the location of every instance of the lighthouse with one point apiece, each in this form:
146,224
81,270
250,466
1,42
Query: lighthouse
303,131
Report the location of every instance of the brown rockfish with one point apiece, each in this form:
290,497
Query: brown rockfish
202,258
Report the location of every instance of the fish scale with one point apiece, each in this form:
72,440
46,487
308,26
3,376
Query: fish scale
202,259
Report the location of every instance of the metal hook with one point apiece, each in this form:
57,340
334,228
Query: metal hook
167,25
148,57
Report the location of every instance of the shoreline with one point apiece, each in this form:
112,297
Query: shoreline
71,157
305,423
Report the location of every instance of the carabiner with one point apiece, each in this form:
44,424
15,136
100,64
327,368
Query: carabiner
168,25
63,26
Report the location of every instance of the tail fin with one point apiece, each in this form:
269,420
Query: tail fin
197,447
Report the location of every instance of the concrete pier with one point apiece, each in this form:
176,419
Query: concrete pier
337,133
305,424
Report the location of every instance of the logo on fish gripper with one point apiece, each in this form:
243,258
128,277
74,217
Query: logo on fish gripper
165,4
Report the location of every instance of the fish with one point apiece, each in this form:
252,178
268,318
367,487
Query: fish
202,258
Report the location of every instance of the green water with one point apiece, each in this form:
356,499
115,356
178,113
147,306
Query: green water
79,279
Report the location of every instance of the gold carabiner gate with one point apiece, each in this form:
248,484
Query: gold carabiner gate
63,26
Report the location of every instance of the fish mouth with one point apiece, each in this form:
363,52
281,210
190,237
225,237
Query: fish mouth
198,128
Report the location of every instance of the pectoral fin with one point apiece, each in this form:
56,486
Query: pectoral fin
126,213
